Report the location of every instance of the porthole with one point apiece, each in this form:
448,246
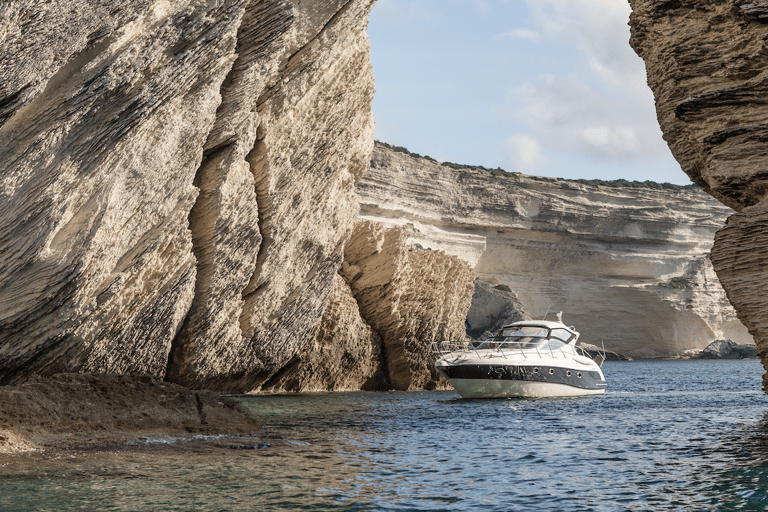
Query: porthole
535,370
551,371
578,375
568,373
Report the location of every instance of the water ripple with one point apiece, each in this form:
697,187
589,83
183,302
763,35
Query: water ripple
666,436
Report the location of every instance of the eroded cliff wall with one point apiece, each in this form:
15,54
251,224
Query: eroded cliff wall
410,298
178,182
629,266
708,68
388,304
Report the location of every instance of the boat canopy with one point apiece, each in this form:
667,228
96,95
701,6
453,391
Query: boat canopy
557,331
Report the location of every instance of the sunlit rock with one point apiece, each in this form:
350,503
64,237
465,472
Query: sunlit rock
409,298
178,182
629,266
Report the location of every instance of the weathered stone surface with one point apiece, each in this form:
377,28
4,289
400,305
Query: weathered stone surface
628,266
409,298
105,111
346,354
706,64
727,349
76,410
708,69
297,104
316,125
492,308
178,178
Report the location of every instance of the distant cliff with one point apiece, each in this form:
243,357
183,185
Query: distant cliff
708,70
628,265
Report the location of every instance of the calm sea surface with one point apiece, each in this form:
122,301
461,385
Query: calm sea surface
672,435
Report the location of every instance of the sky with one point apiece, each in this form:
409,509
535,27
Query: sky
543,87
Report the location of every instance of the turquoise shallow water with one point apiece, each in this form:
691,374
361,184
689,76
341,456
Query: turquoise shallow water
671,435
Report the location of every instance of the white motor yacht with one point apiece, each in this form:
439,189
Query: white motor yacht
526,359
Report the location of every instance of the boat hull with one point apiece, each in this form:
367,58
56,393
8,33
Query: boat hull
505,381
483,388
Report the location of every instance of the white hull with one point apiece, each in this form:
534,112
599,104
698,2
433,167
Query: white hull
525,359
485,388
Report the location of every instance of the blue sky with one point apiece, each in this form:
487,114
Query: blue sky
544,87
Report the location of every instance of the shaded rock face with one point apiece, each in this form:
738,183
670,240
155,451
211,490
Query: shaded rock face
727,349
492,308
346,353
708,69
628,266
76,410
178,182
410,299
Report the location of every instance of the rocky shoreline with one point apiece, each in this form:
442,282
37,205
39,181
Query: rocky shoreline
67,411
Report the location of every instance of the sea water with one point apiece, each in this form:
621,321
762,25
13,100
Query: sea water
667,435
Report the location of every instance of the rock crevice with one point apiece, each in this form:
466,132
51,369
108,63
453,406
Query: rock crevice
163,160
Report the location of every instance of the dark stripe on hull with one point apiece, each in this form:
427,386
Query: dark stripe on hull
548,374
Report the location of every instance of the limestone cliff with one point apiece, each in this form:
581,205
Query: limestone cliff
346,354
178,182
627,265
708,68
388,304
410,298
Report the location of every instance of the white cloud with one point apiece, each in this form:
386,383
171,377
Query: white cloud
520,33
568,115
601,108
524,153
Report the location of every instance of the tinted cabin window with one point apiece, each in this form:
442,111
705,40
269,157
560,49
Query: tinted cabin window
562,334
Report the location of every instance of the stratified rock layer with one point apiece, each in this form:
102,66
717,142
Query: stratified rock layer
346,354
178,182
409,298
628,266
708,69
104,122
296,114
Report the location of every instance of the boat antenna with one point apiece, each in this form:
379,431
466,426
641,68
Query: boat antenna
545,314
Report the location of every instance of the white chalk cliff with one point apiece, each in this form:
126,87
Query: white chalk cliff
177,197
178,182
629,266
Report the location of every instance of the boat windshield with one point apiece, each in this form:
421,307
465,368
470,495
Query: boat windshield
528,336
552,345
528,330
562,334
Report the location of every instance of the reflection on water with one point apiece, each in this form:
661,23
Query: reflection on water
667,435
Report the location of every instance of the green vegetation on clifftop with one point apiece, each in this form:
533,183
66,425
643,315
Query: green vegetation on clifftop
499,172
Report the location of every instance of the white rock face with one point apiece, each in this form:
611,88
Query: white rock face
628,266
103,129
346,354
178,182
409,298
